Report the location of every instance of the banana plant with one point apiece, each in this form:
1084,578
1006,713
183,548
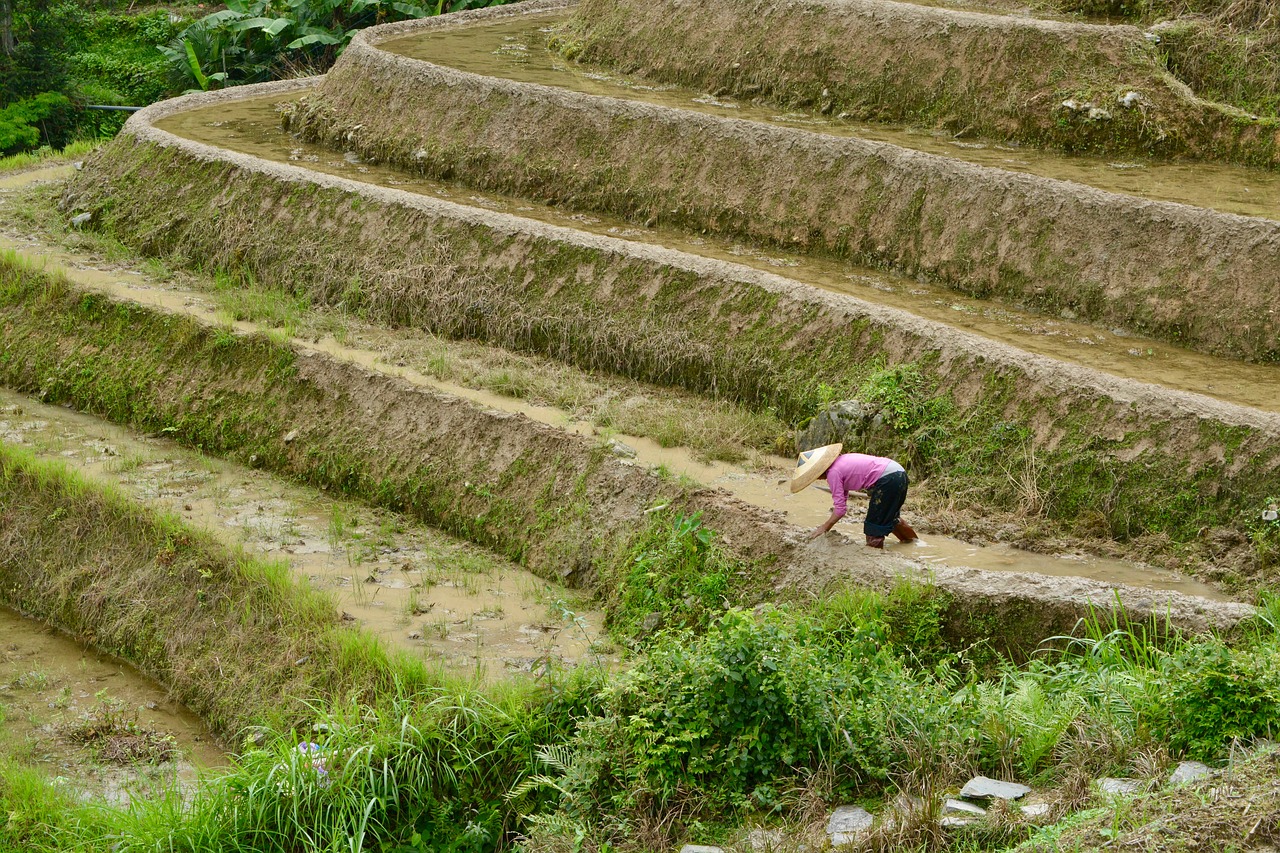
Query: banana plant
255,40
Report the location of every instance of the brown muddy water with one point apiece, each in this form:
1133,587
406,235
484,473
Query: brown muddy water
412,586
516,49
568,629
50,686
252,126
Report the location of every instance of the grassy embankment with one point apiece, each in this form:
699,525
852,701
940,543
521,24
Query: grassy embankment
1225,50
985,77
727,717
982,435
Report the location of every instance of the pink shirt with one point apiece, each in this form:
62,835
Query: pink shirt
856,472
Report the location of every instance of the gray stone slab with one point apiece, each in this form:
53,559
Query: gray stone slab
1119,787
1035,809
847,823
954,820
954,806
982,788
764,840
700,848
1189,771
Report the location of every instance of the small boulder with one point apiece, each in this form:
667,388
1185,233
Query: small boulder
1119,787
622,451
1189,771
848,422
764,840
1035,809
982,788
954,806
81,219
847,823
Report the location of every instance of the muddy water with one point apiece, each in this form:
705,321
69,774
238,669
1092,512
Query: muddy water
408,584
516,49
48,683
762,485
252,127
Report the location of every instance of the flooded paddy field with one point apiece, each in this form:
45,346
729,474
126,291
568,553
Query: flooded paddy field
517,49
252,126
449,602
95,725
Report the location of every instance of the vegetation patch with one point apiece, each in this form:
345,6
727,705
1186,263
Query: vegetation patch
980,433
995,76
981,231
747,716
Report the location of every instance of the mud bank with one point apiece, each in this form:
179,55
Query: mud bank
999,76
1113,455
555,500
1196,277
234,640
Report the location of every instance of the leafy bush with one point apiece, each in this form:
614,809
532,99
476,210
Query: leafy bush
676,576
1217,695
46,118
255,40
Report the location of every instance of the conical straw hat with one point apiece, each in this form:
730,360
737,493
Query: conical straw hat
812,464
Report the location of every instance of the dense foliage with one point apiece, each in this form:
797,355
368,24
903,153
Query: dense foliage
112,53
727,716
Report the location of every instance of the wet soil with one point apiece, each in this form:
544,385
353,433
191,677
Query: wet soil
761,485
50,685
251,126
412,586
517,50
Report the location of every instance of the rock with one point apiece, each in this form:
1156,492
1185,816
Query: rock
415,635
954,806
700,848
764,840
622,451
1036,809
1271,514
951,820
1189,771
291,436
1154,38
847,823
1119,787
982,788
1099,114
81,219
650,623
848,422
78,165
1129,100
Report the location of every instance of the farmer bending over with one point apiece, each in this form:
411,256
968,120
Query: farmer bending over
884,481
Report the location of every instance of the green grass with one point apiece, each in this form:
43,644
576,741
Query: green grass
47,156
729,717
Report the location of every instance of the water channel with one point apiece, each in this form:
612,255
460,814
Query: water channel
252,126
412,586
50,685
516,49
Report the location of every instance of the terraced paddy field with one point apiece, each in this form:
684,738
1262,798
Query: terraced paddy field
424,430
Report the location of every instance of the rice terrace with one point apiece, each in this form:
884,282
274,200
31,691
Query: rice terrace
604,426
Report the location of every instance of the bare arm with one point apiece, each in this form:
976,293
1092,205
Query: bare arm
826,526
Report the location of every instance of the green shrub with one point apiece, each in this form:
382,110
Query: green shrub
676,576
47,118
1217,695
